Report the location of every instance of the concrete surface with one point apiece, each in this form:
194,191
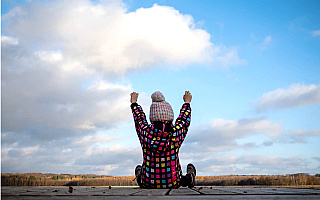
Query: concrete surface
119,193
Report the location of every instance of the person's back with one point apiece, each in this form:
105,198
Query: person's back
161,141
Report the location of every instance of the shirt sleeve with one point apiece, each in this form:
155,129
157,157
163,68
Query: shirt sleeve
140,120
182,124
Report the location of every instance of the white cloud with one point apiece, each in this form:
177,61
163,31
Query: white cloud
227,56
244,127
79,155
223,135
252,165
29,150
53,56
221,143
60,60
59,46
106,37
316,33
300,136
43,93
92,140
296,95
115,154
266,42
9,40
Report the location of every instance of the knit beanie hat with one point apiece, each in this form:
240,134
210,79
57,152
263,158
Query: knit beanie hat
160,110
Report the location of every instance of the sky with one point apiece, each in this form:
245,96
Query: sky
68,68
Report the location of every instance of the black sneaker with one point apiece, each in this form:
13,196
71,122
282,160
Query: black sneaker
137,171
193,172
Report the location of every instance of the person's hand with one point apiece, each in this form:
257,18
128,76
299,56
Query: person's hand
187,97
134,97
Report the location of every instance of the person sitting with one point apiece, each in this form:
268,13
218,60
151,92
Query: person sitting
160,141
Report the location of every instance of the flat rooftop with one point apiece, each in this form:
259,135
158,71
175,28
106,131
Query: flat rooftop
119,193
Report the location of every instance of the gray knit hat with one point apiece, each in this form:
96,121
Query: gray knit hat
160,110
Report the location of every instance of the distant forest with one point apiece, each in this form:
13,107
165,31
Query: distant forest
38,179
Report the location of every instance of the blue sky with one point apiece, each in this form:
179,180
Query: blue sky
68,67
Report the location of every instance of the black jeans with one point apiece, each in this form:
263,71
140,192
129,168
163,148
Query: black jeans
185,181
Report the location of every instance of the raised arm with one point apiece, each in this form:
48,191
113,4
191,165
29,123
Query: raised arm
183,121
139,116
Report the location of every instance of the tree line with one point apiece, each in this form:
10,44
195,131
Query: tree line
262,180
39,179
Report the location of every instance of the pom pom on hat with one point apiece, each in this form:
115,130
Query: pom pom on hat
157,96
160,110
